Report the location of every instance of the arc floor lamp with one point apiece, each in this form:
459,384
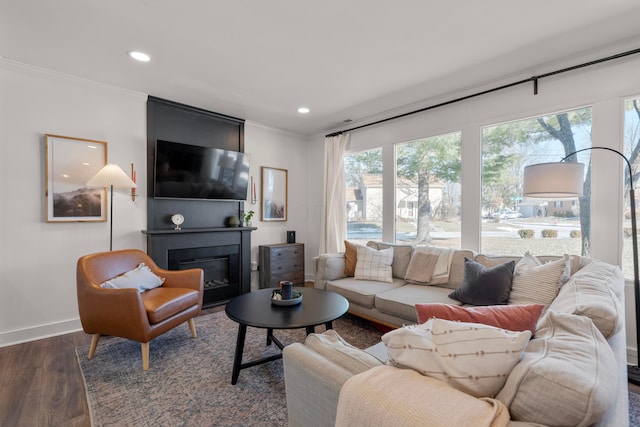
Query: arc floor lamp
111,176
566,179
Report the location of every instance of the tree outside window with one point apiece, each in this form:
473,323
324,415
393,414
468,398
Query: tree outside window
553,227
427,191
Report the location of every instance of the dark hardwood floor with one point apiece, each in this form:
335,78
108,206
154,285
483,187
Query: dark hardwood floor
41,383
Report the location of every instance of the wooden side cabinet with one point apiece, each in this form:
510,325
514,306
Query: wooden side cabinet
283,261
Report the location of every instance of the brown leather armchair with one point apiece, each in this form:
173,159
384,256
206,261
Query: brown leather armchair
126,313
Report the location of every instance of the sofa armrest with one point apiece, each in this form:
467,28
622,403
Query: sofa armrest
388,396
312,385
328,267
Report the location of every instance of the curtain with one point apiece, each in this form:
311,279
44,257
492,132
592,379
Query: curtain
334,216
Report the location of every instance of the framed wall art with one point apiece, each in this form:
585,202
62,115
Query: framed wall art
274,194
71,162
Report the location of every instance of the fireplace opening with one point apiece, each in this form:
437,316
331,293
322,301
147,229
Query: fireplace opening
221,269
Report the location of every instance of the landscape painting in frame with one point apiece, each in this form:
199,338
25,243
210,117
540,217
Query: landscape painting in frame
274,194
71,162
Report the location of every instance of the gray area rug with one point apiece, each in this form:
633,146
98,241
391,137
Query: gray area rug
189,379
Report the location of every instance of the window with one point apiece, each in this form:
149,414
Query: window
427,191
506,149
631,148
364,195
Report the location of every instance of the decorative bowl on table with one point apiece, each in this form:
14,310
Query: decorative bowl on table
276,298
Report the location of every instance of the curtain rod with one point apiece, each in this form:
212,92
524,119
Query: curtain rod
533,79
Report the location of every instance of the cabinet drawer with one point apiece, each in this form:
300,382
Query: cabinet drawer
287,252
282,265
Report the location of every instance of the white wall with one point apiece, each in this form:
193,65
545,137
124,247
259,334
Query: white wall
38,259
604,87
284,150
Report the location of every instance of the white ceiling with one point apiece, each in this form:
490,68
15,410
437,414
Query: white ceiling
344,59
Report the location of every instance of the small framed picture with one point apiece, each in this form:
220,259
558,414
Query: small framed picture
274,194
71,162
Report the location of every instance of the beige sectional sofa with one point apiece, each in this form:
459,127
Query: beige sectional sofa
572,372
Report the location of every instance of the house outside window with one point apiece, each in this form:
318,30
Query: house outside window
557,226
363,172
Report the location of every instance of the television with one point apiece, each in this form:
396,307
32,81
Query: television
184,171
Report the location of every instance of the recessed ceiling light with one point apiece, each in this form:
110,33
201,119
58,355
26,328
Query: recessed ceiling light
303,110
139,56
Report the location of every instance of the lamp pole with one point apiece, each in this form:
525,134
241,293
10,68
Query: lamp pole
633,371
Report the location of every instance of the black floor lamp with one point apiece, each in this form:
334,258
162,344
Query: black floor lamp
566,179
111,176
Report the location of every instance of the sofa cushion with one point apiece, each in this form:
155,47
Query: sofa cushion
591,292
566,375
401,301
484,285
510,317
374,264
401,256
332,346
421,268
471,357
361,292
538,283
350,258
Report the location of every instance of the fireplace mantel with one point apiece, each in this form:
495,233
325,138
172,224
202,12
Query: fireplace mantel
161,242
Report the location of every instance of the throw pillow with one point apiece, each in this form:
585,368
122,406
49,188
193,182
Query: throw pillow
401,256
568,374
421,268
350,258
484,285
510,317
140,278
538,283
471,357
373,264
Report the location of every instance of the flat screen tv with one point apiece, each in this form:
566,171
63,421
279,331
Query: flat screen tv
185,171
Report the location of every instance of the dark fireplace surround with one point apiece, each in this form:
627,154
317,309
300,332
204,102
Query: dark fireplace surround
224,253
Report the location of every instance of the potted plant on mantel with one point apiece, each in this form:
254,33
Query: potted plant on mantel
246,218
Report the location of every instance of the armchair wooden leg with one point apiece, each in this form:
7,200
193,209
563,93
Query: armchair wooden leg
94,344
192,326
145,356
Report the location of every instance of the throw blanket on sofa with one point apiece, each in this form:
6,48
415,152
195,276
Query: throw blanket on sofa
373,398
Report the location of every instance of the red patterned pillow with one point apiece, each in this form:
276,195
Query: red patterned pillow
510,317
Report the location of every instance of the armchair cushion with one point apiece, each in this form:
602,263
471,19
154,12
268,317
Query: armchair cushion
140,278
162,303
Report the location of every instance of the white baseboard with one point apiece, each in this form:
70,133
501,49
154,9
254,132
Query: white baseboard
39,332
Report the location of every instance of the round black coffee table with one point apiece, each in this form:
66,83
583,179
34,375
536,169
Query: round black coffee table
255,309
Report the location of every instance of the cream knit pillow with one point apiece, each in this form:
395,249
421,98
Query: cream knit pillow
538,283
471,357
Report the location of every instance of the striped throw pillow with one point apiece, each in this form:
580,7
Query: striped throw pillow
538,283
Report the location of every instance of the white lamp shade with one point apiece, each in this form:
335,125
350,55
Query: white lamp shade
110,175
554,180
